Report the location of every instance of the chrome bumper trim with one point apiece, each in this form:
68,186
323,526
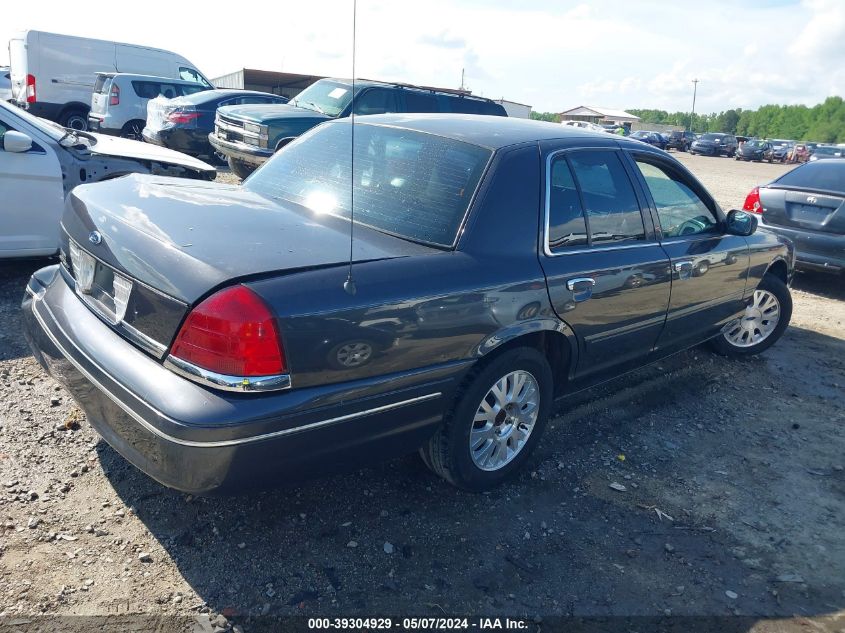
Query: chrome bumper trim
223,382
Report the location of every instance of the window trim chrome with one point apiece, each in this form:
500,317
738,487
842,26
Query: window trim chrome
226,383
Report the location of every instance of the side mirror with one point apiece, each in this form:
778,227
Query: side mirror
16,142
740,223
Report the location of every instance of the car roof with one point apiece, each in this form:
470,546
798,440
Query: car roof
493,132
218,93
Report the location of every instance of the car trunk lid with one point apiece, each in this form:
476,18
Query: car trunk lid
801,209
178,240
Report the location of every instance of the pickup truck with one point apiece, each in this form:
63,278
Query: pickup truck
249,135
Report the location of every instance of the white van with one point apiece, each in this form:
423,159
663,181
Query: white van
53,75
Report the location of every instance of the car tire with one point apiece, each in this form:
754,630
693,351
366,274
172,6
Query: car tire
132,130
240,168
499,454
739,339
75,119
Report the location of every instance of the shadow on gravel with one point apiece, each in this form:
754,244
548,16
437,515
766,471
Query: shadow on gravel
821,284
14,276
559,541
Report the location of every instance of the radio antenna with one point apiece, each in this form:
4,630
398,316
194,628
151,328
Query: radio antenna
349,284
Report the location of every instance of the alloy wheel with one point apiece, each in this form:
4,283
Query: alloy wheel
759,321
504,420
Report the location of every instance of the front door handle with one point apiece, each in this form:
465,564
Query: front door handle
684,269
581,288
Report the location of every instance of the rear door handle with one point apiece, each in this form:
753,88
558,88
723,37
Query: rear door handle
581,288
684,269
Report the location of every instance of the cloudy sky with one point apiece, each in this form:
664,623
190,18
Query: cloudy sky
554,55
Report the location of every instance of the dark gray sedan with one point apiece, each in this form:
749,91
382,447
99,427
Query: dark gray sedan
218,336
807,205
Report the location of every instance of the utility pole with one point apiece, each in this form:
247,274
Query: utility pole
462,78
694,91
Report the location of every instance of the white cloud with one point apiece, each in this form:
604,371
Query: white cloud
551,54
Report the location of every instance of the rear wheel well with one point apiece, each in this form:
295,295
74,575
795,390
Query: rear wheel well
553,345
779,270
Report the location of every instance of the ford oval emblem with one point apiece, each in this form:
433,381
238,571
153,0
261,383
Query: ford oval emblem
95,238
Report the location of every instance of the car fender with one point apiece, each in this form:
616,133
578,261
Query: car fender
514,331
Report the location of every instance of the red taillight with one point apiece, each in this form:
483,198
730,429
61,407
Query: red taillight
114,95
180,117
232,333
752,201
30,89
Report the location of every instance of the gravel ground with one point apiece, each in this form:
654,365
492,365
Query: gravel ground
733,499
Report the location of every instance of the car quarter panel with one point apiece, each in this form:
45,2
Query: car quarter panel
438,307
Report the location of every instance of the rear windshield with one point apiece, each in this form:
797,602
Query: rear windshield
712,137
100,83
825,175
409,184
207,96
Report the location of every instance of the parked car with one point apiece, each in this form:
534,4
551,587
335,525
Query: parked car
184,123
781,149
584,125
199,372
807,205
5,84
119,101
40,162
249,136
755,150
53,74
652,138
827,151
679,140
714,144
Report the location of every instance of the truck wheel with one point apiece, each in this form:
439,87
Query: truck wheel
495,423
240,168
74,119
763,323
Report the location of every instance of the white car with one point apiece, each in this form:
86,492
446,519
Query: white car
40,162
584,125
119,101
5,84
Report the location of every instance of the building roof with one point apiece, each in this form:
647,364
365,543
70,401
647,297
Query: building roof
607,113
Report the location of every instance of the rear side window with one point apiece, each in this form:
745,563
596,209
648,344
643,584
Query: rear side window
612,210
824,175
416,101
567,226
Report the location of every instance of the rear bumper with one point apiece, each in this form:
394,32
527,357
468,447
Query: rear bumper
240,151
193,142
814,250
202,441
102,125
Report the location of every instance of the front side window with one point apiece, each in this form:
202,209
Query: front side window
375,101
410,184
680,210
190,74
